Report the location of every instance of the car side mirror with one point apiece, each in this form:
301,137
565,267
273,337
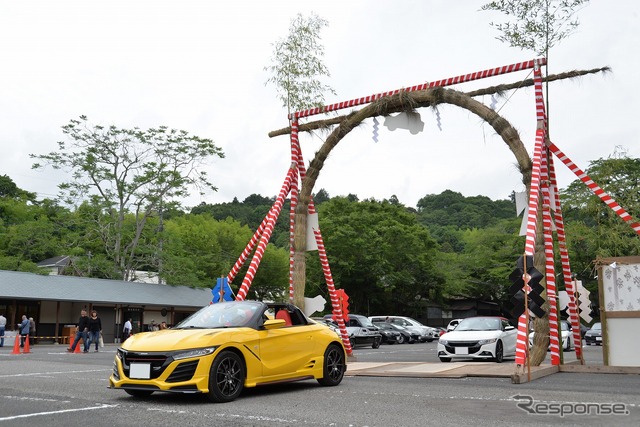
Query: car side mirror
509,328
274,324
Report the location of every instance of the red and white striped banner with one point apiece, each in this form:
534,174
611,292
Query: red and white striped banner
423,86
606,198
550,273
256,237
335,300
534,195
522,343
266,235
566,266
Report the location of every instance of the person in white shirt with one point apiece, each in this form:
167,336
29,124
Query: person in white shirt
126,330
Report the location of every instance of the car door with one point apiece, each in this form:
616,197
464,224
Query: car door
285,350
510,336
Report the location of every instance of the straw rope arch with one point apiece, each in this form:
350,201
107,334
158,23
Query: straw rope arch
428,95
404,101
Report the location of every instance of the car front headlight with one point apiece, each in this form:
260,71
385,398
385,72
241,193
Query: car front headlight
488,341
196,352
443,342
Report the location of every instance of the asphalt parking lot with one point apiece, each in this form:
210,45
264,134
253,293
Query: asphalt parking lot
50,386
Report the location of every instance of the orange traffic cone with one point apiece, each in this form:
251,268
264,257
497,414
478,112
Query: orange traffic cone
26,346
16,345
78,346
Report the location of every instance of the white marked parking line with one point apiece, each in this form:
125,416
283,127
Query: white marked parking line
39,414
36,399
31,374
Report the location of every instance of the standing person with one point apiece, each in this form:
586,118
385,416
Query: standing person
81,331
3,327
163,325
126,330
24,329
32,331
95,327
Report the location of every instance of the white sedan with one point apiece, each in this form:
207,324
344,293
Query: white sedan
492,338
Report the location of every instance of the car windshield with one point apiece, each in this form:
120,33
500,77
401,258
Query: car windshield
221,315
366,322
479,324
597,326
564,326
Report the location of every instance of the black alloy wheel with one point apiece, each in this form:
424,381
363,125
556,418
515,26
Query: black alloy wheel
226,379
334,366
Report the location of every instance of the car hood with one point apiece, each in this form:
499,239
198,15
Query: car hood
180,339
470,335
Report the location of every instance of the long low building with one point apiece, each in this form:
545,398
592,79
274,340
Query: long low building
55,303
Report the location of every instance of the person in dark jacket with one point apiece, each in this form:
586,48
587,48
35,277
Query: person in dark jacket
81,332
95,327
24,329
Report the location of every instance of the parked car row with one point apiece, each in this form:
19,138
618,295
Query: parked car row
423,332
479,337
360,329
374,330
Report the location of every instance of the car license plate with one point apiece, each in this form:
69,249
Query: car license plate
598,338
140,371
462,350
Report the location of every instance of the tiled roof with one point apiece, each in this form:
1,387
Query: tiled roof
19,285
58,261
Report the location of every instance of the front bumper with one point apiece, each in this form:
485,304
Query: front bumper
593,339
161,373
467,350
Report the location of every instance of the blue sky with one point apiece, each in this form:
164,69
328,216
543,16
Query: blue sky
199,66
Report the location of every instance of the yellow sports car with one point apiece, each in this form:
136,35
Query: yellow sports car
227,346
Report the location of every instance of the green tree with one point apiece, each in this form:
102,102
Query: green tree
320,197
125,171
18,263
450,208
378,254
297,65
9,189
251,212
27,233
488,259
199,249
